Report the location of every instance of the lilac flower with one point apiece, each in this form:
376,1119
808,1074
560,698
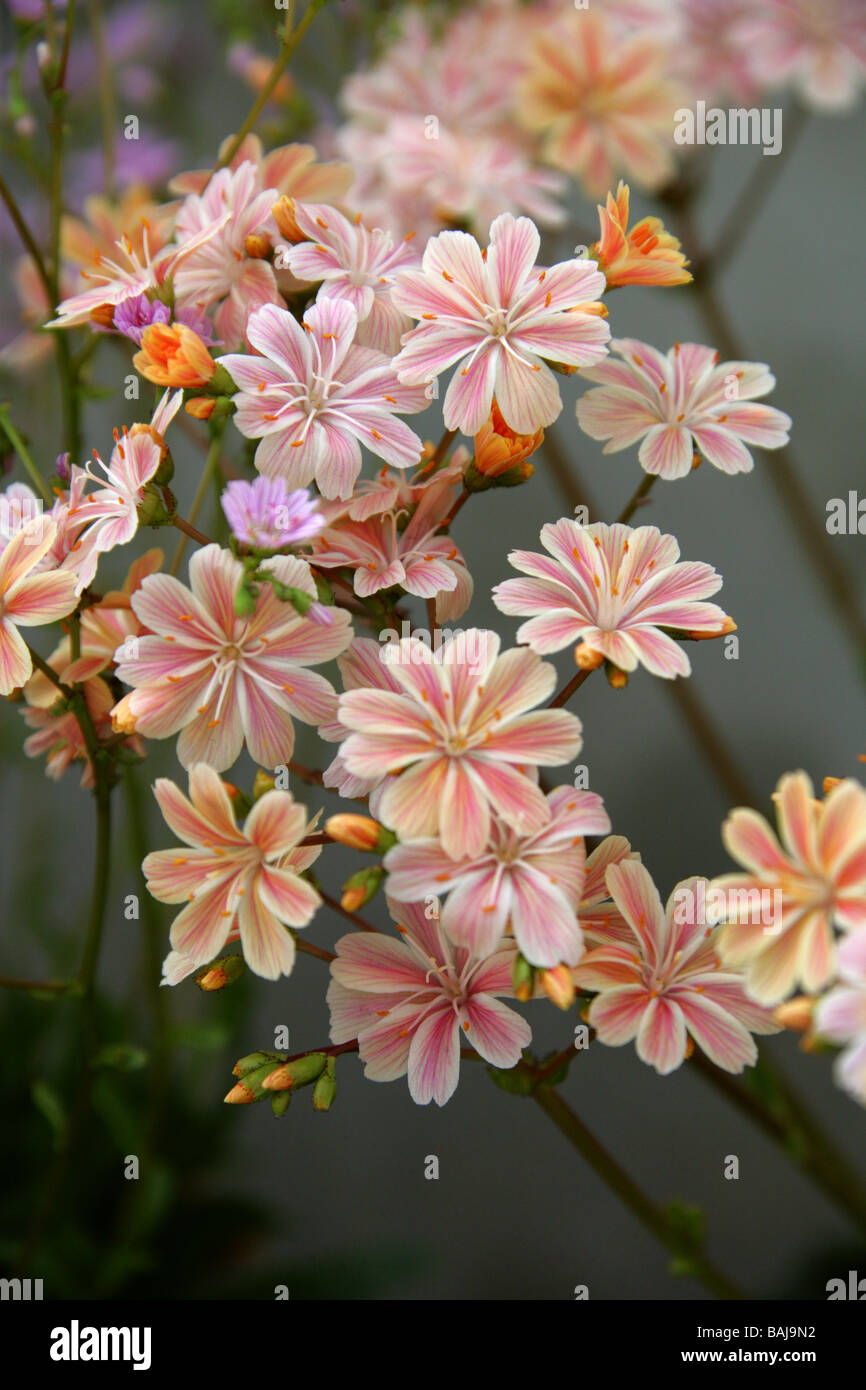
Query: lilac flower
134,315
265,514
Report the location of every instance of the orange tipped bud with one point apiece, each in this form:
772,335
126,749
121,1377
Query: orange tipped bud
173,355
499,448
587,658
616,677
122,717
795,1013
360,832
829,783
257,247
361,887
220,973
728,626
201,407
558,986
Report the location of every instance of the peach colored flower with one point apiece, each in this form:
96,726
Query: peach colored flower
667,983
819,871
601,102
232,879
456,744
28,597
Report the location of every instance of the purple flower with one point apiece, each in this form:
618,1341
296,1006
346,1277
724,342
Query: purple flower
265,514
132,316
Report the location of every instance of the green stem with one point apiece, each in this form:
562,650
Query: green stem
24,454
107,104
56,96
640,492
291,39
153,946
210,465
618,1181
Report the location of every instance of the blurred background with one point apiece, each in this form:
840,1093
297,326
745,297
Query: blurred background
230,1201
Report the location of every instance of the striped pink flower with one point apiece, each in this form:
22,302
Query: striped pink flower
528,885
502,318
232,880
362,668
416,558
411,1002
314,396
457,743
618,591
355,264
221,680
666,985
680,402
28,597
819,869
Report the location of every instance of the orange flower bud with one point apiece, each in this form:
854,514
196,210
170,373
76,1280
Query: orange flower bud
359,832
257,247
499,448
795,1013
173,355
122,718
587,658
558,986
201,407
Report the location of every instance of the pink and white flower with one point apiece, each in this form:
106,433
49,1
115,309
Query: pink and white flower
616,590
818,46
232,879
357,265
131,274
362,668
411,1002
819,871
28,597
601,920
503,317
415,558
233,206
457,742
528,885
314,396
111,513
840,1016
221,680
667,986
679,402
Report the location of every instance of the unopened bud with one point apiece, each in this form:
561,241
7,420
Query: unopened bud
264,782
616,676
325,1088
151,510
361,887
251,1088
201,407
220,973
122,717
299,1072
254,1060
523,978
587,658
558,986
61,467
280,1102
795,1013
829,783
257,247
360,832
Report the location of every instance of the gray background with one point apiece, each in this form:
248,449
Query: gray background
515,1213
